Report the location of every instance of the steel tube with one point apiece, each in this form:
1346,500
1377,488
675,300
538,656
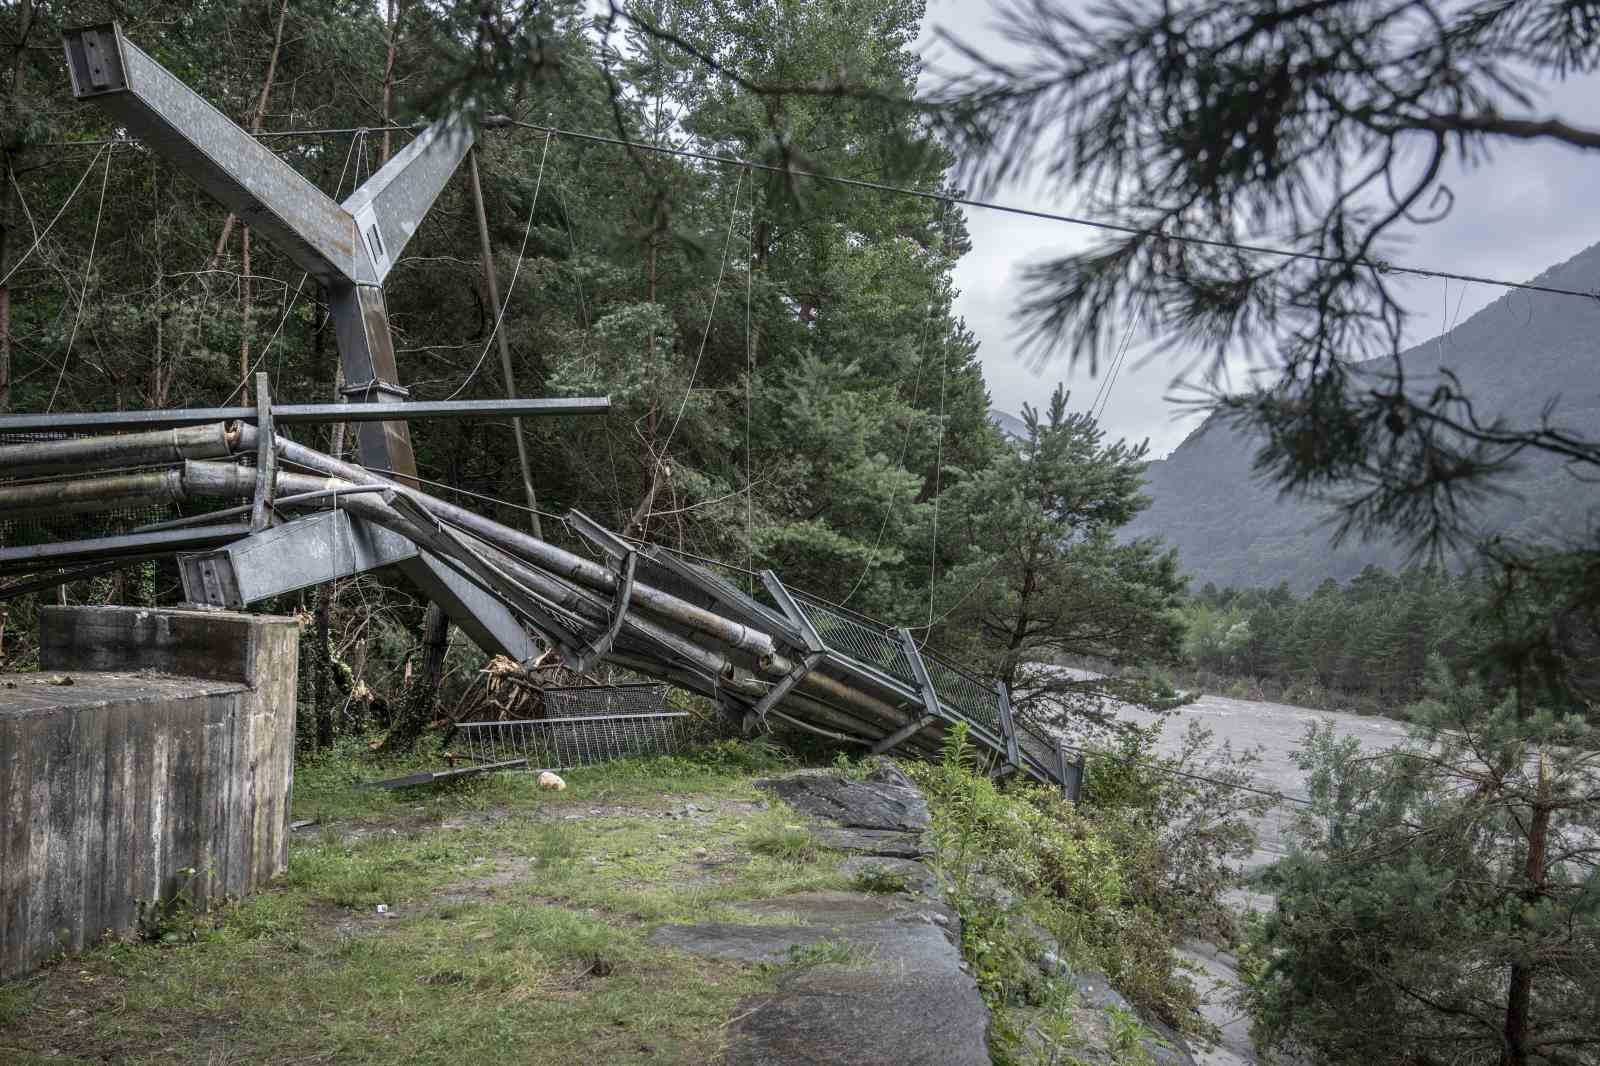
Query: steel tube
137,545
79,454
228,480
104,493
546,556
290,414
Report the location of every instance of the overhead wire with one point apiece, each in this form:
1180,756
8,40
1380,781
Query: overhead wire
1103,396
23,258
905,440
83,292
512,287
727,243
1379,265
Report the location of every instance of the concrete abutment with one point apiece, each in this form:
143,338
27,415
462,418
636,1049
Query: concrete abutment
153,742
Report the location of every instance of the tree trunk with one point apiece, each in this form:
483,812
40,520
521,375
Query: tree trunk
1519,997
18,68
423,695
246,319
392,19
256,118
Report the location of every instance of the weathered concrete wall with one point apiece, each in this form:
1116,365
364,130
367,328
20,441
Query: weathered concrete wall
114,785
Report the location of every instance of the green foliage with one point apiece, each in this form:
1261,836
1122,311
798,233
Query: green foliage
1104,880
1367,644
1042,576
783,833
1442,895
172,919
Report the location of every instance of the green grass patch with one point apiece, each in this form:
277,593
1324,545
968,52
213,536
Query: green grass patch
516,930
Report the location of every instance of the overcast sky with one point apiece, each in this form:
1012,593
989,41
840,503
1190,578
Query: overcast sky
1534,206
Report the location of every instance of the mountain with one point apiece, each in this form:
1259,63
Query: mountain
1010,425
1516,355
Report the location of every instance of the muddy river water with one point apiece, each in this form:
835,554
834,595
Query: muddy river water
1276,730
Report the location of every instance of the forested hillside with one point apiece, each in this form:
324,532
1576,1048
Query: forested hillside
1520,353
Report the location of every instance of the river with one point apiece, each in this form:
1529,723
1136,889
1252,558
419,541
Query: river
1275,730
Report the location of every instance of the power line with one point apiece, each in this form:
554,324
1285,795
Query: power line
511,288
1379,265
1382,266
83,294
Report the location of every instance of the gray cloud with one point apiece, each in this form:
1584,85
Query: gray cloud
1530,208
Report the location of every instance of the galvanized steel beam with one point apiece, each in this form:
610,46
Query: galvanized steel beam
284,414
903,734
349,247
321,547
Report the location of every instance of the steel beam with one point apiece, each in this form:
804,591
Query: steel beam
919,670
266,459
903,734
322,547
284,414
1008,723
390,205
798,621
128,545
350,248
602,644
178,124
485,620
777,692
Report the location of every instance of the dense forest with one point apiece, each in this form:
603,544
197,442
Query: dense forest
789,385
1362,645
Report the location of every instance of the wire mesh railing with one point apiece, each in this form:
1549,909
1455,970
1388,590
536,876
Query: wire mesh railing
971,696
567,743
868,642
598,701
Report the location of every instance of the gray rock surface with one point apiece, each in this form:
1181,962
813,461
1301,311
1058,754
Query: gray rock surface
913,876
885,800
896,990
883,842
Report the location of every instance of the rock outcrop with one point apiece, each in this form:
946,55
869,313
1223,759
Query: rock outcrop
866,979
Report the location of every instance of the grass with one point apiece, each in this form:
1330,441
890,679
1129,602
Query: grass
517,931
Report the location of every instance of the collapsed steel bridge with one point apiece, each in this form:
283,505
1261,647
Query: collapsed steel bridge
290,517
272,516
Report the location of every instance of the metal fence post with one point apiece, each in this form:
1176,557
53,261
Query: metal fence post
1008,726
1073,779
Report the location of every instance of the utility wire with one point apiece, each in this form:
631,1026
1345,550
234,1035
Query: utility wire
722,268
511,288
1382,266
1103,397
23,258
83,293
1379,265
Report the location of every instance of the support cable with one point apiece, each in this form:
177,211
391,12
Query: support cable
512,287
83,292
749,387
38,240
1380,265
905,441
1103,396
304,277
727,242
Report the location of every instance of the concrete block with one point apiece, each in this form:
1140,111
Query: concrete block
114,785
